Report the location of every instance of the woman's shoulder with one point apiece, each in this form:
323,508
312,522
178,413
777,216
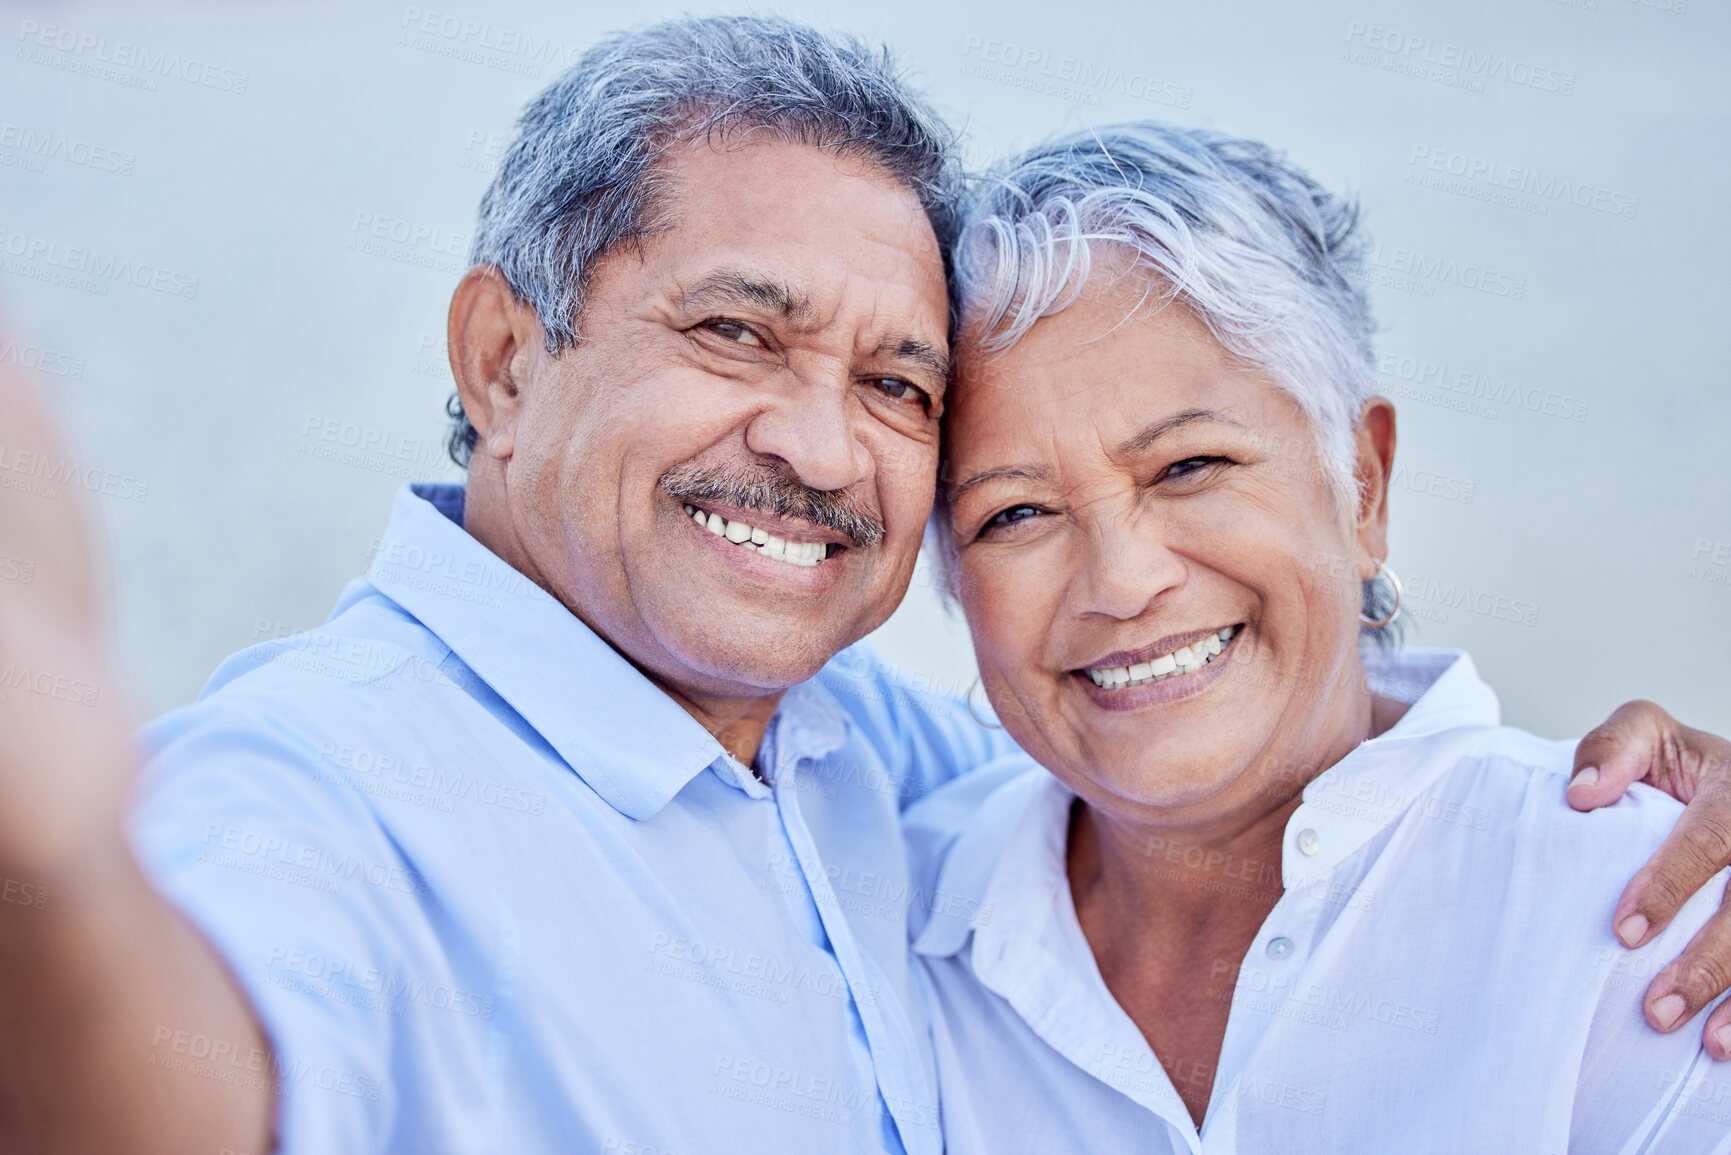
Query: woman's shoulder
1478,803
1496,822
1522,780
1451,757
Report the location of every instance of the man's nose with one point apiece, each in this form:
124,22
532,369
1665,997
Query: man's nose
813,426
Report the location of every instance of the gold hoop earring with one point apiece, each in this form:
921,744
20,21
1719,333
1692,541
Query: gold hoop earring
1382,571
968,700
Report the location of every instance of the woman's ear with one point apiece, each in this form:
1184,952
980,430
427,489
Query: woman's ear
1375,439
490,335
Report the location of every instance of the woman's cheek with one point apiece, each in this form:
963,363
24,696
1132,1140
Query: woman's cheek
1003,612
992,613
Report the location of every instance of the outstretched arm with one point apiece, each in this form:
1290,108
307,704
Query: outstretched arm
1642,743
105,991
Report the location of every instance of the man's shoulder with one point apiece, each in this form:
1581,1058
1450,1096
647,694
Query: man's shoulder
370,673
368,640
1004,783
873,689
918,723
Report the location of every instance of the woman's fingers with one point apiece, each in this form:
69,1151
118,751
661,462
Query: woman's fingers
1698,848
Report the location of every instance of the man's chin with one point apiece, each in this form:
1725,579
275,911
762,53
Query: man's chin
751,663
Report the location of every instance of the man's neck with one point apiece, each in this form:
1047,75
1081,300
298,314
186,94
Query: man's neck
737,722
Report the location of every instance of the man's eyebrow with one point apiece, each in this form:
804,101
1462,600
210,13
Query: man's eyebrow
1001,473
740,287
1148,435
922,353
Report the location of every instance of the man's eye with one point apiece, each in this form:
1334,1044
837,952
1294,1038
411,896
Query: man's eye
732,331
900,390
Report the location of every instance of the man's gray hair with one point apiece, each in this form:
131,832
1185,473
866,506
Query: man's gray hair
1267,259
580,177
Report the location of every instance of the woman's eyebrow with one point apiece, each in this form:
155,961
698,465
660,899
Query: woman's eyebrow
1001,473
1148,435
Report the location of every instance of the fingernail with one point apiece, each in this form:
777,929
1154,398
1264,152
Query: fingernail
1632,929
1589,776
1668,1010
1722,1036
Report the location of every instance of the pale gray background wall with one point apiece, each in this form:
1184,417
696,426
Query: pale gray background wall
251,138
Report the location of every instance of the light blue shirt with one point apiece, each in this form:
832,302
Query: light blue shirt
490,890
1439,975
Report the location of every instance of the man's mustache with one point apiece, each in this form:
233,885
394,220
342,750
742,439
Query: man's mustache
767,488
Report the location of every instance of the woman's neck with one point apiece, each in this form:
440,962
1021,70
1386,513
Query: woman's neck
1167,883
1171,907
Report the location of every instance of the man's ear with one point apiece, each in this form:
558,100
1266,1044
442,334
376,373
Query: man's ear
491,336
1375,442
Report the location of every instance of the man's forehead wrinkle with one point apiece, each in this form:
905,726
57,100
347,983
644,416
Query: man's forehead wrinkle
887,332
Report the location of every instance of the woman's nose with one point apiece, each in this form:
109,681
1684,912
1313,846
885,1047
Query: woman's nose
1125,565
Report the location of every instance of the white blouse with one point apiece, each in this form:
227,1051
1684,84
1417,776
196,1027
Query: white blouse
1440,974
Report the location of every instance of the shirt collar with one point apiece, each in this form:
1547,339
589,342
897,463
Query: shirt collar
808,723
1011,854
1006,852
1360,796
1028,946
633,745
1443,687
1003,855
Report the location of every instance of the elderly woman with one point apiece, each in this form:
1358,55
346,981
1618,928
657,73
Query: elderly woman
1284,885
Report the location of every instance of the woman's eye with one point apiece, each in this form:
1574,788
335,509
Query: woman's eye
900,390
1188,466
1009,516
732,331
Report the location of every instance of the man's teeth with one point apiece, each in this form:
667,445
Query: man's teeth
1184,660
806,553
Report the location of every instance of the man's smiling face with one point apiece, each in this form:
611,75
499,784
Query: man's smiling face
769,364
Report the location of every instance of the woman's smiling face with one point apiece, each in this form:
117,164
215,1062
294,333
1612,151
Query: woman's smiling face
1162,582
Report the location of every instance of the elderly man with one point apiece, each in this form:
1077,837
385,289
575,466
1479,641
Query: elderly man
577,826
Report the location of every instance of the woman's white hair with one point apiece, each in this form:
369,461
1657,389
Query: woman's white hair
1264,256
1269,260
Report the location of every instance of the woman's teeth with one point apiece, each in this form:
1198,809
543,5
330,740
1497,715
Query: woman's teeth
806,553
1184,660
